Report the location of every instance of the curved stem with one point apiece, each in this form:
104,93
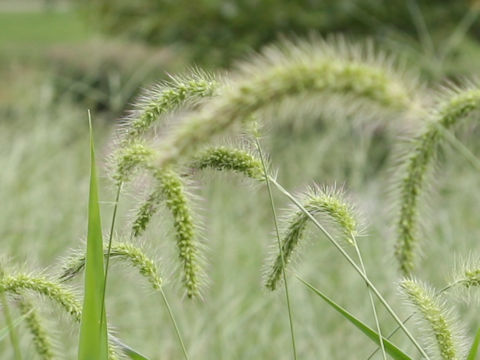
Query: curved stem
372,302
109,250
462,149
174,322
274,212
353,264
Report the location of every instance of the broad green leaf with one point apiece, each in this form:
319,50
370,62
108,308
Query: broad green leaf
93,328
472,354
127,350
390,348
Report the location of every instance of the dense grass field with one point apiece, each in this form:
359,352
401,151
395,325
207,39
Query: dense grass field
44,157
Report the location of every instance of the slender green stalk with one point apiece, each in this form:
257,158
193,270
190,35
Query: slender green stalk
274,213
372,302
11,328
462,149
353,264
175,325
109,249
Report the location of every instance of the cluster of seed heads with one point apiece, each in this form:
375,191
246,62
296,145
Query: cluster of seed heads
282,73
21,284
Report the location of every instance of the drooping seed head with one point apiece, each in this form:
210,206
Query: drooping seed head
172,189
165,98
284,73
441,327
125,252
223,158
131,158
55,292
327,203
417,165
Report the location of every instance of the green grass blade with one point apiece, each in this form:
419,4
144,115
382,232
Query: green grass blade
390,348
472,354
127,350
93,329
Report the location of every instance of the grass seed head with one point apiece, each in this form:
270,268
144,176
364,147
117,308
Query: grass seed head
328,203
437,317
417,165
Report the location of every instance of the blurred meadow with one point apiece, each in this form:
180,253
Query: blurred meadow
59,59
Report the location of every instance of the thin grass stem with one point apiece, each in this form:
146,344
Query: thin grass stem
372,302
353,264
109,250
461,148
175,325
274,213
11,328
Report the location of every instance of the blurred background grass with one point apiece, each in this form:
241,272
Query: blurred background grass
60,58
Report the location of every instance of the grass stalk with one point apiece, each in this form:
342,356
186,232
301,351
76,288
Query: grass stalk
353,264
11,328
175,325
274,213
461,148
109,249
372,302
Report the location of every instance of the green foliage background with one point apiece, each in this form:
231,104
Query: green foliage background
218,31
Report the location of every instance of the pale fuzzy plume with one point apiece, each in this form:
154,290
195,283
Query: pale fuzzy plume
284,72
328,203
125,252
444,335
417,164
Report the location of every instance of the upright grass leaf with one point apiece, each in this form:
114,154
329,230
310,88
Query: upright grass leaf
472,354
93,329
390,348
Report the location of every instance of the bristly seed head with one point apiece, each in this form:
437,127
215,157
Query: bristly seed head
233,159
416,166
122,251
131,158
165,98
433,311
328,203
